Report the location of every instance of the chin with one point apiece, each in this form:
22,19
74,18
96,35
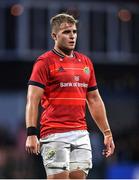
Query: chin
67,49
71,48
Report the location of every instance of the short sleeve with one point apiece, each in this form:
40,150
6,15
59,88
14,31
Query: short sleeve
39,76
92,81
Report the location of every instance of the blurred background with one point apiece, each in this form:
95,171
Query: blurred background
109,35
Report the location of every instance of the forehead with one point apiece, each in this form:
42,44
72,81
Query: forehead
66,25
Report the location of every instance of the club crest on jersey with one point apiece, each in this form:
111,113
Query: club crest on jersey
76,78
86,70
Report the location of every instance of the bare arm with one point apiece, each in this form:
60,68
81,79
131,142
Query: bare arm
98,112
33,98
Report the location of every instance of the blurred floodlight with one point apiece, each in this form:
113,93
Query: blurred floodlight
17,9
124,15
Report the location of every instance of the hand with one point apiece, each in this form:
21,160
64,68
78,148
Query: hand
109,146
32,145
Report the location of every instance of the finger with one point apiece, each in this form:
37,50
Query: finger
112,147
110,152
30,150
107,147
34,151
38,148
106,152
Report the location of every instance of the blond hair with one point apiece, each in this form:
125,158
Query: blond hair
57,20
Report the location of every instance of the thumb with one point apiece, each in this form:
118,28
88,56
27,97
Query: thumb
38,147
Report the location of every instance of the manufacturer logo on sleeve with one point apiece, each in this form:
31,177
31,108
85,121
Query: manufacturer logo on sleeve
61,69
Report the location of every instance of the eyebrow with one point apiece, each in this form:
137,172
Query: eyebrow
68,30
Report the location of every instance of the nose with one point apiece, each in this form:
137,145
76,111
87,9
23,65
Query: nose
72,35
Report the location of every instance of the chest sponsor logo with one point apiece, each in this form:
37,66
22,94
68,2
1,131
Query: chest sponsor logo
73,84
86,70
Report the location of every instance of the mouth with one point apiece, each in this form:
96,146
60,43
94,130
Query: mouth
72,43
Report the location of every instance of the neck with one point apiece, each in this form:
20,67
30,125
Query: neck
64,52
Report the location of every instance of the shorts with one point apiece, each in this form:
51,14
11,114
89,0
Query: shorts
66,151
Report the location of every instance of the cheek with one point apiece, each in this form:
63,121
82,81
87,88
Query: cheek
60,38
63,40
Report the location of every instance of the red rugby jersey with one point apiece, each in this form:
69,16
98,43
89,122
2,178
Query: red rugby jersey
65,81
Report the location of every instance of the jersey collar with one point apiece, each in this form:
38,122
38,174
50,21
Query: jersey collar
59,54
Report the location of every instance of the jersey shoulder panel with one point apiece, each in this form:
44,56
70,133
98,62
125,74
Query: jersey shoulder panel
47,56
82,56
78,54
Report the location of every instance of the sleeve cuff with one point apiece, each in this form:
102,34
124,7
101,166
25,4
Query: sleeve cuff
92,88
34,83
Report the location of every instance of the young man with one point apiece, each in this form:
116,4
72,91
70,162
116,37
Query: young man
64,80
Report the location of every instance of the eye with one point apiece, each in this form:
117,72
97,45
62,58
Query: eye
66,32
75,31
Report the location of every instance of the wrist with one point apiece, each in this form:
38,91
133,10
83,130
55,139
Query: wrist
32,131
107,133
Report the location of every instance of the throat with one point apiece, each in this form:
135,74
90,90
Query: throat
65,52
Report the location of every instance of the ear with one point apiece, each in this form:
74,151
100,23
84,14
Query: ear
53,35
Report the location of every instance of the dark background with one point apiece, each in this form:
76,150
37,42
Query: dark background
109,35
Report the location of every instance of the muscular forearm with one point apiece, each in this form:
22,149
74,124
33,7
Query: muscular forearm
33,100
31,114
98,112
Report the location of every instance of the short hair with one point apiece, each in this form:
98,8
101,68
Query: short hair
57,20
